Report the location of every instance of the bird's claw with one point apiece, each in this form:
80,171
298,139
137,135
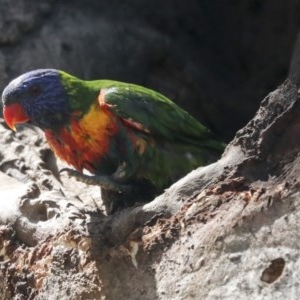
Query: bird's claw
67,170
103,181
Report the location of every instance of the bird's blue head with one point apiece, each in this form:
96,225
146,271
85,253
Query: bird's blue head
37,96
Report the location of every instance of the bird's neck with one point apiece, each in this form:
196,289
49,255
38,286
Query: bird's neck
81,94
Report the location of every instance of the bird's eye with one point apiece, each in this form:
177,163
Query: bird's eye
35,90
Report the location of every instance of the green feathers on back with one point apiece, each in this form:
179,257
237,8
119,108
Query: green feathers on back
159,115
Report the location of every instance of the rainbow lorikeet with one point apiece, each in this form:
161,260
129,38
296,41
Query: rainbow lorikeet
123,134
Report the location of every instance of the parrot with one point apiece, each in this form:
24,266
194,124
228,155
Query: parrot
123,134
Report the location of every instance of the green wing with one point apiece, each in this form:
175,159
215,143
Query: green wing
152,112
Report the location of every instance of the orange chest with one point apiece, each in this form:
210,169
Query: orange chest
84,142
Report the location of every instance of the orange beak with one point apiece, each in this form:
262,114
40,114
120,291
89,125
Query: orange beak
14,114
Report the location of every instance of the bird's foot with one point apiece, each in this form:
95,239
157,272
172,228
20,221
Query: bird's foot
103,181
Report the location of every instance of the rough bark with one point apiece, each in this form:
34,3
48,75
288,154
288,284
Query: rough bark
227,230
